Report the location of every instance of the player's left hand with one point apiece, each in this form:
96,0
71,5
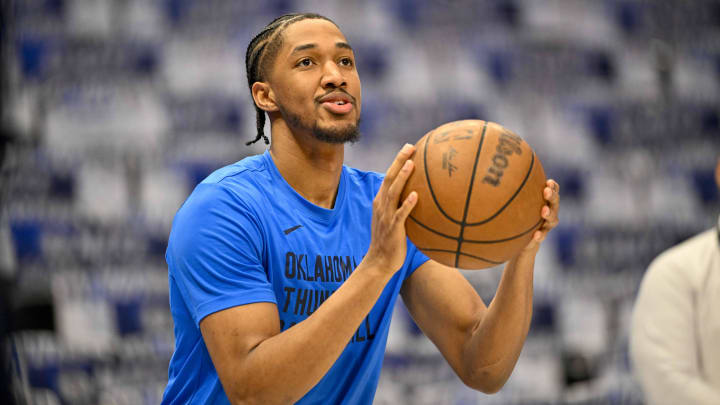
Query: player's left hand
549,213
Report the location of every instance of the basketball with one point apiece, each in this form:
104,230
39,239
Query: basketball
480,193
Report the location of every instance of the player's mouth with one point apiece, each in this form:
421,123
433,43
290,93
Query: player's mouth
337,102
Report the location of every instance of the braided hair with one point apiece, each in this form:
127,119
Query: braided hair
260,55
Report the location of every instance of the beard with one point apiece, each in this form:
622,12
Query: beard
348,133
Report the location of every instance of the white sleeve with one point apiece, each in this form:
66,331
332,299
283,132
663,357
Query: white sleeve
663,342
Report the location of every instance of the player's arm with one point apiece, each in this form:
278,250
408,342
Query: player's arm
257,363
481,343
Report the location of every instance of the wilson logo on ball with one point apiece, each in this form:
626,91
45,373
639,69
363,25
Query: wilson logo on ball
508,144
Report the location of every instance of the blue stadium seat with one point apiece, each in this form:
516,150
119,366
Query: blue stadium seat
279,7
33,54
710,121
703,181
232,117
128,316
600,123
44,375
372,115
176,10
27,235
628,15
509,12
462,109
500,66
408,11
544,317
146,61
565,240
157,244
601,64
571,179
62,186
372,60
197,172
55,7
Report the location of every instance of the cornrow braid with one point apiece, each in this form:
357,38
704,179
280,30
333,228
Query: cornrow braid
260,55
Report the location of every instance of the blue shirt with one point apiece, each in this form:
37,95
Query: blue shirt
245,236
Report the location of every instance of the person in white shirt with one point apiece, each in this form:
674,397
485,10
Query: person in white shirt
675,332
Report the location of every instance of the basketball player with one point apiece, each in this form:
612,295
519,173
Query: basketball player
675,334
284,268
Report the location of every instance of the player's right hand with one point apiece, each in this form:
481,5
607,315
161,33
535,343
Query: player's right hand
388,246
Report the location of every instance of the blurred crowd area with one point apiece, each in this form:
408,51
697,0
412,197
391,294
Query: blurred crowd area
113,110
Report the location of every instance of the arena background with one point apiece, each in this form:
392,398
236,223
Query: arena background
112,110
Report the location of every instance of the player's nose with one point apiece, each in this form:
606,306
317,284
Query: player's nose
332,76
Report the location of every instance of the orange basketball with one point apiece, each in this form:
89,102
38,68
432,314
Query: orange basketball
480,192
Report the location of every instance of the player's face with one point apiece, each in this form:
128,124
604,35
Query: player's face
316,84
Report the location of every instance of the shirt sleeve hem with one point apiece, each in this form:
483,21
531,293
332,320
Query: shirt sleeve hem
416,265
221,303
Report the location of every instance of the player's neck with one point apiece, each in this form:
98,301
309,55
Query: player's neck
310,166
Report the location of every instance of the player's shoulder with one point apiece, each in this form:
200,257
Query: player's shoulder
685,260
236,184
239,172
365,179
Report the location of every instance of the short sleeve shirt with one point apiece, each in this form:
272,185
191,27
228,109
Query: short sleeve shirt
245,236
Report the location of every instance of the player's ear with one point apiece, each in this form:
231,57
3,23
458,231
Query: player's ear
264,96
717,173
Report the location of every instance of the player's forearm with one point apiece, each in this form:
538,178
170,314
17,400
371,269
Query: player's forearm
497,340
286,366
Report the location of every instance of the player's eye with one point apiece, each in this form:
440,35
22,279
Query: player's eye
346,62
305,62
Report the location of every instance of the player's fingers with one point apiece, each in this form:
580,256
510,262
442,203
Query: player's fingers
550,215
397,164
550,220
550,211
545,227
395,189
551,192
553,185
551,195
407,206
541,233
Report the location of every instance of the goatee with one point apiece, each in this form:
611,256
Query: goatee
346,134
